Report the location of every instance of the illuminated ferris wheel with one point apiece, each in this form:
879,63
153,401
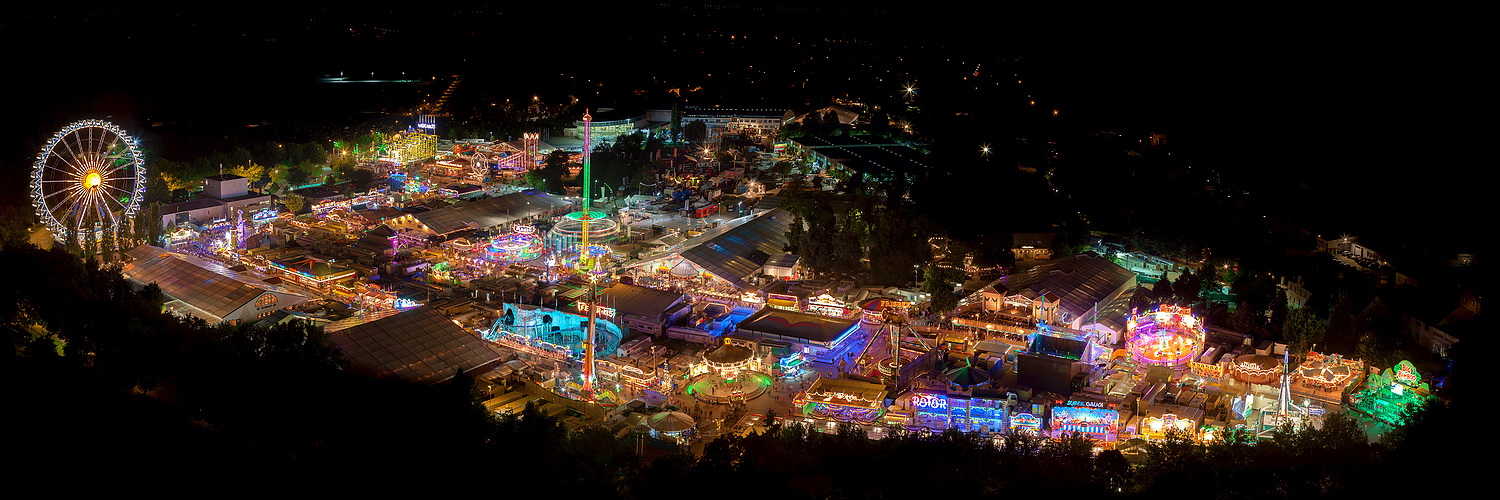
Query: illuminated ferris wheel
89,170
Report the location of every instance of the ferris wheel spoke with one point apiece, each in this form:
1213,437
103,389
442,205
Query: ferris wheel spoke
76,168
76,163
55,193
122,191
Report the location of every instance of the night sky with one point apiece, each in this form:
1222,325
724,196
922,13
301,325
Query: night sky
1365,122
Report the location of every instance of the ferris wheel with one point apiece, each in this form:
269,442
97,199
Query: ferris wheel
89,170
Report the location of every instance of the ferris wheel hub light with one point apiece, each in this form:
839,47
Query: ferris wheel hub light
92,180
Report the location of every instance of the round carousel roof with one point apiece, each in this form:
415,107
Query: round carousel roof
671,422
967,376
1261,360
728,354
684,269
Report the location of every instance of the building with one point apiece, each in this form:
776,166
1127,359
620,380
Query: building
222,195
817,337
1033,246
1080,292
213,295
418,345
486,214
643,309
757,123
736,254
877,159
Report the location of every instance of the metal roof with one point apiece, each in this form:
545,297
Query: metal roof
1076,282
214,293
489,212
639,300
417,345
795,324
738,252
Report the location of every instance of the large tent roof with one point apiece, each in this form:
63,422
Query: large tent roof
1076,282
214,293
489,212
737,252
416,345
795,324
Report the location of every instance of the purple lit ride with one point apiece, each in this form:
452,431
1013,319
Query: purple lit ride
519,245
1170,336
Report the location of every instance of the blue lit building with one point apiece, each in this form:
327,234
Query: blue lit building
819,338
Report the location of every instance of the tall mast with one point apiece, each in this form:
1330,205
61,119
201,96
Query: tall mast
588,203
588,345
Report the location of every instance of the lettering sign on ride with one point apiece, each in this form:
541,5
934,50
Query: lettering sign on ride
930,401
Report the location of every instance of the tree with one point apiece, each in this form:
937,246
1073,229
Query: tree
1163,290
676,122
1243,320
696,132
1186,288
943,299
294,203
153,225
554,168
1302,330
296,176
794,235
1112,470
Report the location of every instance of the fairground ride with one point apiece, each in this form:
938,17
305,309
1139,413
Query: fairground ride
90,170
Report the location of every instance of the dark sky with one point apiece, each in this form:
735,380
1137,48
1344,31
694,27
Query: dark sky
1374,113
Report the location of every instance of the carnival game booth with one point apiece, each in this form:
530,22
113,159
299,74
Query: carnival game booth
842,400
1170,336
1156,421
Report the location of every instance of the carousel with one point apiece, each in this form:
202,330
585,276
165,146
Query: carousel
1170,336
727,374
519,245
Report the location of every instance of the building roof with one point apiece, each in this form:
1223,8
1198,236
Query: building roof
198,204
216,294
736,252
418,345
638,300
1035,240
489,212
796,324
223,177
1076,283
727,354
870,157
691,112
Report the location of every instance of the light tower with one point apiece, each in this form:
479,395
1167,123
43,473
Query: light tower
588,203
583,254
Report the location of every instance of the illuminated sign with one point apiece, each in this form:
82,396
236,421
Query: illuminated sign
1407,374
931,401
428,126
608,312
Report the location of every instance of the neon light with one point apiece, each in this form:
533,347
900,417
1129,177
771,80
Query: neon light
931,401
